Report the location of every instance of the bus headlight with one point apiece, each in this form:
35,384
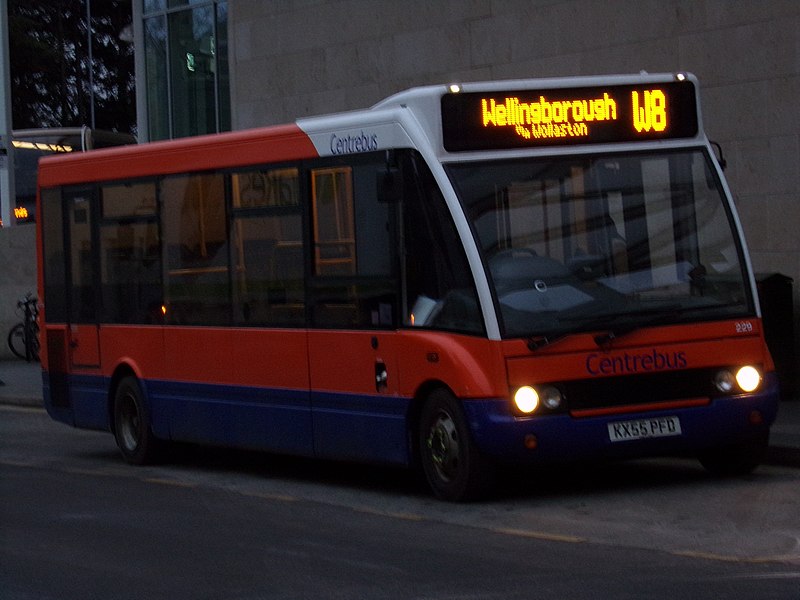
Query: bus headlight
527,399
550,397
748,378
724,381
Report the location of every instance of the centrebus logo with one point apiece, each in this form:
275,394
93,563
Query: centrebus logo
626,364
348,144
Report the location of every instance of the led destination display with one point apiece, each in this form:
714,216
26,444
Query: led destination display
568,116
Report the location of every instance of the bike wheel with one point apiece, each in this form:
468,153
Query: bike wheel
34,345
16,340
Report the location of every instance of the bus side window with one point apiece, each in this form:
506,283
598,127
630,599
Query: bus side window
354,280
130,253
195,250
267,246
440,292
80,203
54,264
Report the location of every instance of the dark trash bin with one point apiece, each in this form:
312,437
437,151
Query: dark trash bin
775,295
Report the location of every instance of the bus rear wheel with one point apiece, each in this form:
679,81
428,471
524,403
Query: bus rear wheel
132,424
453,466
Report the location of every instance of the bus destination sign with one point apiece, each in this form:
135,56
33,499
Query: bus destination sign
568,116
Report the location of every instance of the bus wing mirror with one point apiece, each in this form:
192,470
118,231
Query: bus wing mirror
390,186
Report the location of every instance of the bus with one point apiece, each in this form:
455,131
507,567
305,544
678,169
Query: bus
459,278
31,144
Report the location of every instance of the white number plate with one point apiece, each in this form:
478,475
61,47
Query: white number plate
622,431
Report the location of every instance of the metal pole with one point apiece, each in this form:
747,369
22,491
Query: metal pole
91,61
8,198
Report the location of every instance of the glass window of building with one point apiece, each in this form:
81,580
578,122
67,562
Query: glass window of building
186,64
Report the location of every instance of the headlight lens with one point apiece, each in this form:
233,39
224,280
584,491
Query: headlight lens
527,399
550,397
748,378
724,381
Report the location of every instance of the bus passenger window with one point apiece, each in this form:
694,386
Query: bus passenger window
267,235
80,216
53,261
355,281
130,254
334,235
195,250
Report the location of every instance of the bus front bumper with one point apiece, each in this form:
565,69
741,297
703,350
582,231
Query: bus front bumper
667,431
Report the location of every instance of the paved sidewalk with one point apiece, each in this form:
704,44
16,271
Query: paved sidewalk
21,384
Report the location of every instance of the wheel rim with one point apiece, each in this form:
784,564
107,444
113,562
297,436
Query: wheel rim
129,422
443,445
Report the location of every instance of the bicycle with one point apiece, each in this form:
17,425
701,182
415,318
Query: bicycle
23,339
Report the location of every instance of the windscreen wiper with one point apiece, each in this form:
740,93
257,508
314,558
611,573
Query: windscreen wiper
540,341
608,323
658,315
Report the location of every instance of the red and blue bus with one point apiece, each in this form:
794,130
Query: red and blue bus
461,276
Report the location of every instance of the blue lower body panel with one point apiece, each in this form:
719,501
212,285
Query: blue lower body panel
561,437
78,400
374,428
326,425
244,417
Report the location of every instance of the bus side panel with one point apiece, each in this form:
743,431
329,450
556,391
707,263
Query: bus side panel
140,347
355,416
55,385
470,367
202,399
89,399
137,348
73,394
258,418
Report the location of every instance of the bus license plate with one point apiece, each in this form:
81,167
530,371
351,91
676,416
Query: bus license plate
622,431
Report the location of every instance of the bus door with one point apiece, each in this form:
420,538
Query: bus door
83,332
353,307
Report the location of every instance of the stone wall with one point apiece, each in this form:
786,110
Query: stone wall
17,276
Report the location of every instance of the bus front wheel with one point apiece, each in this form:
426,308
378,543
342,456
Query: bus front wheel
132,424
736,459
454,467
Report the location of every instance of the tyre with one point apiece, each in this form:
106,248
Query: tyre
735,459
132,424
16,340
34,345
453,466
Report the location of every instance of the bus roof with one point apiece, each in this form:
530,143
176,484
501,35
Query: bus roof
213,151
